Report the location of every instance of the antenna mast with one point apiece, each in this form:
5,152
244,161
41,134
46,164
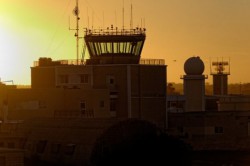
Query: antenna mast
131,19
76,13
123,15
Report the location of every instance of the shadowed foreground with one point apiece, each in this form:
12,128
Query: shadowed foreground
137,142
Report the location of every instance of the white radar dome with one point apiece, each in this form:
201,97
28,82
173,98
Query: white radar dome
194,66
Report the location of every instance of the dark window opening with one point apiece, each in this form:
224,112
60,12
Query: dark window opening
40,147
64,79
84,78
218,130
112,105
102,104
55,148
11,145
111,81
83,107
70,149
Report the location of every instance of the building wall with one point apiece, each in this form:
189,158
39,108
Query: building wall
148,92
42,77
134,84
4,99
46,103
67,142
10,157
228,130
77,76
234,103
113,78
194,92
220,84
131,90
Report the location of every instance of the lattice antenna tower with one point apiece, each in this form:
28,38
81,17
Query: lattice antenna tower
76,13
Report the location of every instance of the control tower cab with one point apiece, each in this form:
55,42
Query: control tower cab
114,46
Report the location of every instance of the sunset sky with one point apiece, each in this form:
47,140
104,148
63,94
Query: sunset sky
176,30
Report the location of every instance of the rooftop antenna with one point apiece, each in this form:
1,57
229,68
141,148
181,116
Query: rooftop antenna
88,17
115,19
144,22
123,15
93,19
131,19
76,13
103,19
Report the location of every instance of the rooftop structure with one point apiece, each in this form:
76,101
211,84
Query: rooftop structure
220,69
194,84
77,99
115,46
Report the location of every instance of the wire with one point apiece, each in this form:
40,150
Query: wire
56,29
94,13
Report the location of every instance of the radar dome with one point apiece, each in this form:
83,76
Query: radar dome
194,66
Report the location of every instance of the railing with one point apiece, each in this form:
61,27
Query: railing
62,62
115,31
152,61
198,76
217,72
83,62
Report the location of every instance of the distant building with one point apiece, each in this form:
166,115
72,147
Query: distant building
216,122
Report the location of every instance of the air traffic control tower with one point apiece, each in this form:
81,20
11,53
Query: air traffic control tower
114,46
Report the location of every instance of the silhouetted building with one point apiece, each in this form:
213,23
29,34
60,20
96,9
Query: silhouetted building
71,102
217,122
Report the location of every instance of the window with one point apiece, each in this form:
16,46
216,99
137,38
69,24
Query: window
42,104
55,148
64,79
40,146
70,149
110,80
112,105
2,160
102,104
11,145
84,78
218,130
180,129
83,107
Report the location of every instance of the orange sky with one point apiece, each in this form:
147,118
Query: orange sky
176,30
